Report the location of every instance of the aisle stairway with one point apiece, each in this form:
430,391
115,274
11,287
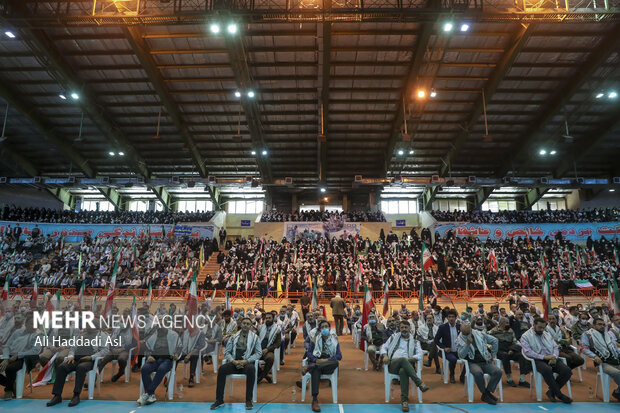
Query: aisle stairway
210,267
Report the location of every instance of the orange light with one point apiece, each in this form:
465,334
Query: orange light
325,199
421,94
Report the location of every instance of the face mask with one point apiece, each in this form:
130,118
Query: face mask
404,334
282,316
372,321
358,312
526,314
235,315
325,332
463,317
584,322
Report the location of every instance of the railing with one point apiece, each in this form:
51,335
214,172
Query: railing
25,293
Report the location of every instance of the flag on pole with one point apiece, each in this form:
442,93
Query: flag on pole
80,265
314,305
421,298
435,289
192,306
546,297
612,294
386,298
149,297
35,293
366,311
5,296
134,330
279,286
559,271
507,271
616,257
80,299
427,258
484,282
45,374
109,303
53,304
227,304
492,260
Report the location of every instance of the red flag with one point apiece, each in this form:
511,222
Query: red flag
368,304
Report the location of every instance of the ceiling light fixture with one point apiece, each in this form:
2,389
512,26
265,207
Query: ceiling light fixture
215,28
264,152
433,93
447,27
421,94
232,28
74,96
411,152
553,152
9,34
599,95
323,190
121,153
612,95
542,152
401,152
111,153
250,93
237,94
62,96
253,152
612,190
464,27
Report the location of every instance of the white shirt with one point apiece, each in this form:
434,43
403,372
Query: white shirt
453,335
401,350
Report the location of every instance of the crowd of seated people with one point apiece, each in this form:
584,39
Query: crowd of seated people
513,330
13,213
351,216
459,263
162,263
526,217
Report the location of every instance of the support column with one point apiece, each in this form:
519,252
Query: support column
294,205
345,203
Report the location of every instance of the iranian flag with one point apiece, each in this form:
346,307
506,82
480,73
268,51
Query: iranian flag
35,293
368,304
80,265
45,374
612,295
192,306
109,303
507,272
314,305
583,284
435,290
492,260
559,271
358,278
421,298
149,297
484,283
386,298
227,305
80,299
616,257
427,258
5,296
546,297
134,330
53,304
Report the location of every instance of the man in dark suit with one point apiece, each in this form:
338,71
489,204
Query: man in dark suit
17,232
446,339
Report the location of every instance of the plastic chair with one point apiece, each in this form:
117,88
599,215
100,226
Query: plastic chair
127,367
230,377
445,365
170,376
605,380
213,356
585,361
355,334
275,367
536,379
91,375
469,381
333,378
388,377
21,375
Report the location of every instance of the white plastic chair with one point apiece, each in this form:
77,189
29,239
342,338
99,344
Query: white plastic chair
333,378
388,377
91,375
170,376
445,365
21,376
230,377
537,379
198,371
127,367
470,384
605,380
585,361
276,365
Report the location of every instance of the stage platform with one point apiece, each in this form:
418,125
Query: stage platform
100,406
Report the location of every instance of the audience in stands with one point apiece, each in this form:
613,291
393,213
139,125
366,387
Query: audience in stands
13,213
526,217
306,216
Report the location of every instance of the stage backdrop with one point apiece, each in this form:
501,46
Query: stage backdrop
331,228
75,232
573,232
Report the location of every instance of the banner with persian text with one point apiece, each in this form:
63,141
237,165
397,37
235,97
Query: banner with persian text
75,232
573,232
313,230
